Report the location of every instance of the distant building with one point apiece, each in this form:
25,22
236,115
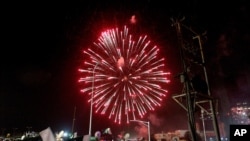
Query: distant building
240,113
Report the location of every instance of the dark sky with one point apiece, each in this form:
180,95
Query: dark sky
42,45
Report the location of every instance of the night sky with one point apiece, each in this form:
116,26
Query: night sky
42,45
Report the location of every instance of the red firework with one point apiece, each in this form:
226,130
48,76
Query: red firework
126,76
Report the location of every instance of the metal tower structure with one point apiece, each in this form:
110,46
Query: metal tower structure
196,93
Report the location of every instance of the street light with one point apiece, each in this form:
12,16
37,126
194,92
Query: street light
146,123
120,63
91,101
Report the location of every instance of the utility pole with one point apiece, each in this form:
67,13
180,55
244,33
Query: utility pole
196,96
73,122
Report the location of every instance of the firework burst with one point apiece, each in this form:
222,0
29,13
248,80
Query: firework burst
128,75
